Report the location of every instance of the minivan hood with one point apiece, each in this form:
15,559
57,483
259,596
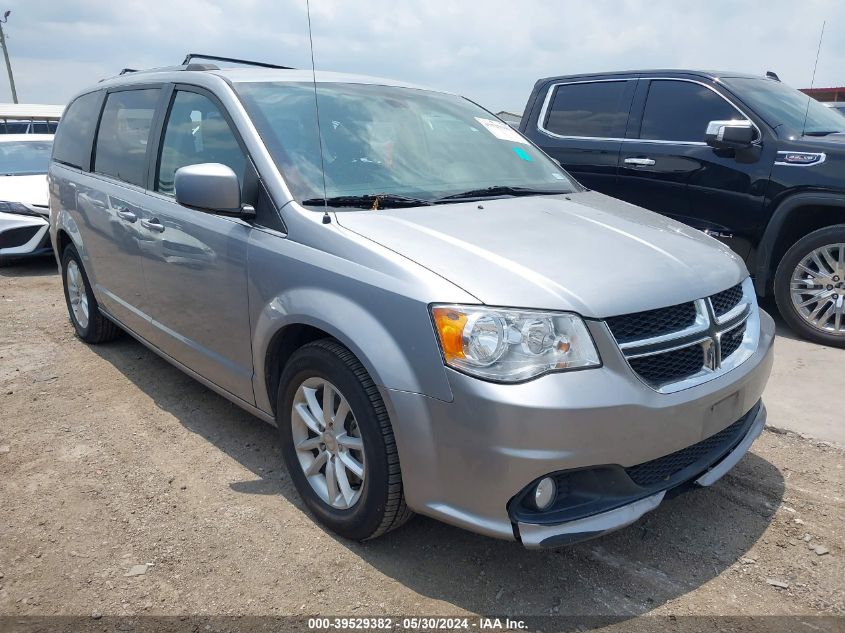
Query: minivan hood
584,252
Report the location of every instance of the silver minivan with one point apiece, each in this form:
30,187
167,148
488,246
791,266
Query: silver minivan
437,317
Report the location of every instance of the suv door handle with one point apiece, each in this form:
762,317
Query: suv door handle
153,225
127,215
645,162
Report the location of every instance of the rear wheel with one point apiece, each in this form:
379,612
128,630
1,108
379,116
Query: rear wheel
90,325
338,443
810,286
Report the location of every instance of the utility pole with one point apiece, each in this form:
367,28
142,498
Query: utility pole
6,54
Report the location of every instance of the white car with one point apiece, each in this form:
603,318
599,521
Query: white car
24,195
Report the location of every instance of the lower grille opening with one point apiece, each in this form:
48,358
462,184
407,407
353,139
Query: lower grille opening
662,468
17,236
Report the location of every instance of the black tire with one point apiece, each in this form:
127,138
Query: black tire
381,506
99,329
801,249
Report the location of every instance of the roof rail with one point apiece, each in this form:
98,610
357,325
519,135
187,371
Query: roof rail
191,56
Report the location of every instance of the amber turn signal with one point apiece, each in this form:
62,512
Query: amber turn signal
450,328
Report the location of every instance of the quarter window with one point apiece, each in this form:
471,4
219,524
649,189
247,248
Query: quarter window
196,132
597,109
124,131
681,110
75,134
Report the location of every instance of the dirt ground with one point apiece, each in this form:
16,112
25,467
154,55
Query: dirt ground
112,462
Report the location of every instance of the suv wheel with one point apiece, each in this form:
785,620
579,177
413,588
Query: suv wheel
810,286
90,325
338,443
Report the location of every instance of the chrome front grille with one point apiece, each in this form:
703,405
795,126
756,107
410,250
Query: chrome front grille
725,301
658,369
631,327
686,344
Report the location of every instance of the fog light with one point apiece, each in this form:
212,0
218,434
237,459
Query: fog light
544,493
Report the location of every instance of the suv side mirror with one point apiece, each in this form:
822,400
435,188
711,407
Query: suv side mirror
730,134
210,187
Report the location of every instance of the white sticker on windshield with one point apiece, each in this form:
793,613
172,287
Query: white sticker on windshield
501,130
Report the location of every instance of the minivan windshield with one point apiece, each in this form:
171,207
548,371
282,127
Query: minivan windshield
780,105
24,158
406,146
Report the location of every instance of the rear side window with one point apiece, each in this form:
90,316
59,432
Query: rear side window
124,131
196,132
75,134
598,109
681,110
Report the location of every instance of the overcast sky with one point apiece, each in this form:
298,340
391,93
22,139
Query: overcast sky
490,51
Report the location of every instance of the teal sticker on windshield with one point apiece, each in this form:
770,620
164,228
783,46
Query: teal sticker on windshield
521,153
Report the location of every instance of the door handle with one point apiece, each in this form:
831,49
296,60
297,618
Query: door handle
643,162
153,225
126,215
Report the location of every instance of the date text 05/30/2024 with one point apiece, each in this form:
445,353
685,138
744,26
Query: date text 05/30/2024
416,623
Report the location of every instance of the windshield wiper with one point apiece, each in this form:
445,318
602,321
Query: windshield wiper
823,133
501,190
372,201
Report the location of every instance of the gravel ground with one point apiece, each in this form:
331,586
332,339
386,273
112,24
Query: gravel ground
128,488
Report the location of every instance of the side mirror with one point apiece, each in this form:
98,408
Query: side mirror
730,134
211,187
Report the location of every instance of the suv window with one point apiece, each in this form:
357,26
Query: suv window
597,109
196,132
681,110
75,134
123,134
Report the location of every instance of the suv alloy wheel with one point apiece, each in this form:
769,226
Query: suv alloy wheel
810,286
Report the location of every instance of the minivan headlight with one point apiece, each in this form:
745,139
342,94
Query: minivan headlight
510,345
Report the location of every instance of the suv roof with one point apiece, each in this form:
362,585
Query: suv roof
706,74
249,71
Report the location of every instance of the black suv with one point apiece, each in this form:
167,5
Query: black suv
744,158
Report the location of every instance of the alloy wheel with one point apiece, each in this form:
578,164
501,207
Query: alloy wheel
76,293
328,443
817,289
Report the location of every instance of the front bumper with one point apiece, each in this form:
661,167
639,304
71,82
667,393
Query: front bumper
23,235
535,535
464,461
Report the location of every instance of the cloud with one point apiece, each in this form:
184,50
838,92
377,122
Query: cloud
492,52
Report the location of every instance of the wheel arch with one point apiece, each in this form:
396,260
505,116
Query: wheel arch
796,216
282,345
306,314
62,241
67,232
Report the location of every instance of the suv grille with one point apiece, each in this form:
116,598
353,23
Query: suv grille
687,341
726,300
669,366
639,325
732,340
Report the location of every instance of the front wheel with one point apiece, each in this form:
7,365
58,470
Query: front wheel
810,286
90,325
338,443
